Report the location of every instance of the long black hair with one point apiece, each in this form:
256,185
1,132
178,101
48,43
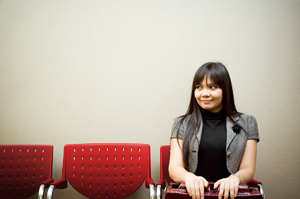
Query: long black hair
219,75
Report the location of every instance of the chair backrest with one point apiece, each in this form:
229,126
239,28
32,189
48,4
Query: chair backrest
164,163
114,170
23,168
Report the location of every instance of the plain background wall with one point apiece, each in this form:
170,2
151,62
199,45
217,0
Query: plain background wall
120,71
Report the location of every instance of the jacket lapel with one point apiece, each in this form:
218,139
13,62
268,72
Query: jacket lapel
230,133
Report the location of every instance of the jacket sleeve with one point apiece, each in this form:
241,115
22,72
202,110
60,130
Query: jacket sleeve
252,129
175,130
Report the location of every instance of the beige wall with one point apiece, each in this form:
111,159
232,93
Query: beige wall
120,71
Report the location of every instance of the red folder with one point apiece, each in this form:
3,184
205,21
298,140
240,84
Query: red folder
178,191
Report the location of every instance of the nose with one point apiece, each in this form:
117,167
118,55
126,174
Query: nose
205,93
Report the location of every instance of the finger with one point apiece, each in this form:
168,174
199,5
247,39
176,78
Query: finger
236,189
226,191
205,183
217,184
193,191
232,190
221,190
188,188
197,191
201,190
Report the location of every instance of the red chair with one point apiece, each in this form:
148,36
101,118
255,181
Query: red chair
25,170
164,172
113,170
165,178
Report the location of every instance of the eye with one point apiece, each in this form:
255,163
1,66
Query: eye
213,87
198,87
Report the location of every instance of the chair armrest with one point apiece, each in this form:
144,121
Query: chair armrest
47,182
253,183
149,181
162,183
60,184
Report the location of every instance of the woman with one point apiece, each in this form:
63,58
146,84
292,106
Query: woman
213,141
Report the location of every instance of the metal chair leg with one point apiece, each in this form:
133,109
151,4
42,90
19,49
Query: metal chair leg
152,191
41,191
50,192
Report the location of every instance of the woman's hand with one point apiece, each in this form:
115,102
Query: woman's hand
228,186
195,186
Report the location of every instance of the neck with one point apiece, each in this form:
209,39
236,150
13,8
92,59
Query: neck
212,116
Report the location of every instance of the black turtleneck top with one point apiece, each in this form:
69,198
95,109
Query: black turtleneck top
212,149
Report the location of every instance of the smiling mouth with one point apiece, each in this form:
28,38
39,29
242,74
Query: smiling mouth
206,101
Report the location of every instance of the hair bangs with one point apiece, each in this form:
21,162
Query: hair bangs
212,71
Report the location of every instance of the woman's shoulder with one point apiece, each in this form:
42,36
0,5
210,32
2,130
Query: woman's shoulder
250,124
182,118
179,126
181,122
246,118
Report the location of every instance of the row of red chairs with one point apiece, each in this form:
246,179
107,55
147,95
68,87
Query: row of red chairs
114,170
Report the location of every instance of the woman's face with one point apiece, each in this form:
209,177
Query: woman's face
209,95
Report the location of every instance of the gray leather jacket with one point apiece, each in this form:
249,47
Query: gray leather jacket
235,143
